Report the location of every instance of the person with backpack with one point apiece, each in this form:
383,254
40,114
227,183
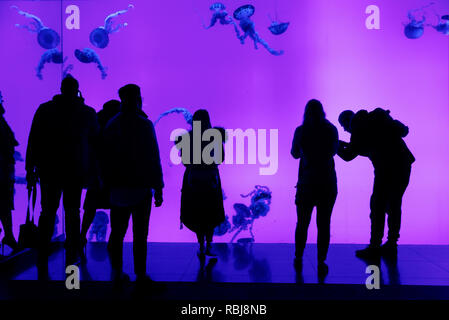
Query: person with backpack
379,137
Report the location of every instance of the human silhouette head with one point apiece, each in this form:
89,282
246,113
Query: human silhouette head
345,119
203,116
130,97
314,112
69,86
112,106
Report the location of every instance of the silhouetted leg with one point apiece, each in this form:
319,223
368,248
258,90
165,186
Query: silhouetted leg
323,221
201,238
209,236
304,208
50,197
119,225
141,221
6,219
395,204
72,201
378,205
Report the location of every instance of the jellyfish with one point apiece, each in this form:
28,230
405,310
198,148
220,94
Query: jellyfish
99,37
99,227
88,55
49,56
414,29
46,37
277,27
443,25
243,14
186,113
220,14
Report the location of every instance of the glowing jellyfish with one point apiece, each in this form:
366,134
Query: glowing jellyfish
88,55
99,227
50,56
220,14
278,28
47,38
414,29
99,37
186,113
443,25
243,14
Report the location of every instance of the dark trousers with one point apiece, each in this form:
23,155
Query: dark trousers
306,199
50,198
119,225
388,190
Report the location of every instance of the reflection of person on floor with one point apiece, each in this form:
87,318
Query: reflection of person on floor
60,153
97,196
7,163
201,195
315,142
132,169
379,137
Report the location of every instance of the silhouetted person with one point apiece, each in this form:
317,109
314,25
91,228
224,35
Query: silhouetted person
98,196
60,154
202,196
380,138
315,142
132,169
7,179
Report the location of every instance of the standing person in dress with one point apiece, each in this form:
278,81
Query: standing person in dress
202,197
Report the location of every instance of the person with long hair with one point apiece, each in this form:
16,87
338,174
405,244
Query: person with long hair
315,142
202,197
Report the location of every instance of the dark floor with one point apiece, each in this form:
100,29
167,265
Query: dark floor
257,263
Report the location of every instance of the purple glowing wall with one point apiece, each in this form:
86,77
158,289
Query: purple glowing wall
329,55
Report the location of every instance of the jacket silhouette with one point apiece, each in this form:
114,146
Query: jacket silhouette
379,137
61,155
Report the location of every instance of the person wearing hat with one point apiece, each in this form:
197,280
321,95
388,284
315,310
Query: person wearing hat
61,155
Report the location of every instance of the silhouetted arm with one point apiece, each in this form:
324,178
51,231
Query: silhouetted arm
346,151
296,149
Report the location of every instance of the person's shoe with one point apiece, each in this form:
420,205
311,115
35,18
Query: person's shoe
323,271
368,253
119,279
389,249
145,282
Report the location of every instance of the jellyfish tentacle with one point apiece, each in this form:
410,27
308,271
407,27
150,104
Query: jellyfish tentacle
36,21
109,19
118,27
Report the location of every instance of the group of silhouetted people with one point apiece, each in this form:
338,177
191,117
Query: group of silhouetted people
375,135
114,154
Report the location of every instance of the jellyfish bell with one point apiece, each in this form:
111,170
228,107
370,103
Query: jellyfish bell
443,25
48,38
244,12
217,6
414,30
278,28
99,37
